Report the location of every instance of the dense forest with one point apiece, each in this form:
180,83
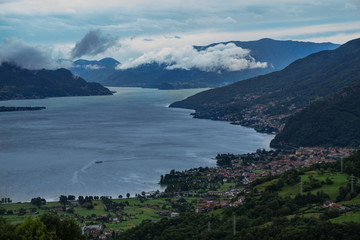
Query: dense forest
333,121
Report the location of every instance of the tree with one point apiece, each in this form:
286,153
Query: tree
71,197
128,195
66,229
120,196
81,199
22,211
161,179
34,229
7,231
36,201
63,199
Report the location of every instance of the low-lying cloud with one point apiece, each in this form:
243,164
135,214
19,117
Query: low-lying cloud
93,43
220,57
17,52
89,66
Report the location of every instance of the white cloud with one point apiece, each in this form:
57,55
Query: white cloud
352,5
66,21
227,57
32,7
337,38
230,20
201,22
89,66
17,52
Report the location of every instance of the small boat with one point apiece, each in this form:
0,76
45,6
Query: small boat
99,162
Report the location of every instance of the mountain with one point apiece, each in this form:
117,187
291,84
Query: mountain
18,83
332,121
277,55
94,71
265,102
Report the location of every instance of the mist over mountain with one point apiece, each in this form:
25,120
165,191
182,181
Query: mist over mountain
266,102
94,71
214,65
19,83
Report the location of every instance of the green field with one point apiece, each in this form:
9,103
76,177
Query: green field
226,186
332,190
16,217
348,217
132,214
261,187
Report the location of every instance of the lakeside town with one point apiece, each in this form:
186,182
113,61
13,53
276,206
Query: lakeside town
263,118
196,190
240,171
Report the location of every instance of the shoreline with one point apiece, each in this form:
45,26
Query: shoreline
256,142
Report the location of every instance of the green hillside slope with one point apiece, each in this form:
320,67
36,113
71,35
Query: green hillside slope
266,102
333,121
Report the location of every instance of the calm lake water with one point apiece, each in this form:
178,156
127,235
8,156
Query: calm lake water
136,136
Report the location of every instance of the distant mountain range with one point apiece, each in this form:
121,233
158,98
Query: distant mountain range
94,71
266,102
277,55
18,83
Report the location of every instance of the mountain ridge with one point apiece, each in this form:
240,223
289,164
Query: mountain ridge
19,83
94,71
265,102
276,53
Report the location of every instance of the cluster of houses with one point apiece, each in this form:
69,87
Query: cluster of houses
284,161
97,231
246,173
254,117
208,204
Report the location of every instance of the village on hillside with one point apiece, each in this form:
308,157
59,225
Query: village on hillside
197,190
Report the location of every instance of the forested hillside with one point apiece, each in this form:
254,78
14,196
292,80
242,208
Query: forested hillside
266,102
333,121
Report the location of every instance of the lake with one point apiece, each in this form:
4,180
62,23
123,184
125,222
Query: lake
109,145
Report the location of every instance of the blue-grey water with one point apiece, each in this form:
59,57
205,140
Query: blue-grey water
52,152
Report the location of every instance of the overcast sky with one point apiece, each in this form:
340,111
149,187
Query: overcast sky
93,29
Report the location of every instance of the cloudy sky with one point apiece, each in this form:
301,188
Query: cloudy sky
132,30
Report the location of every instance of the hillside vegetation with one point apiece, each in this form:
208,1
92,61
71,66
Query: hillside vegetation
333,121
266,102
277,211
